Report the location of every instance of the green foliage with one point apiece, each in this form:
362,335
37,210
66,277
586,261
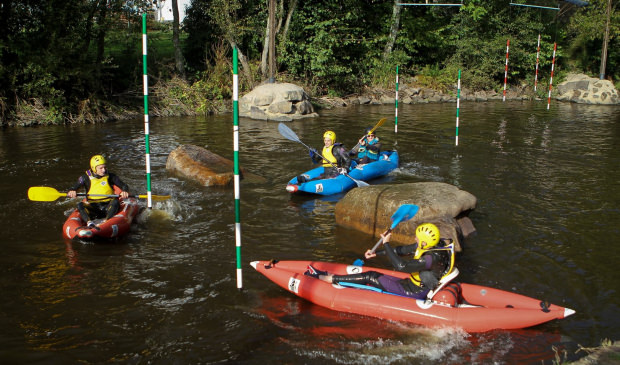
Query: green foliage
61,53
585,36
434,77
382,72
334,44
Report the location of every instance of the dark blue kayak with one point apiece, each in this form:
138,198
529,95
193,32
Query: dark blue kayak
388,161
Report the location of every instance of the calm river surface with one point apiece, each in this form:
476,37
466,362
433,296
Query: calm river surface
547,219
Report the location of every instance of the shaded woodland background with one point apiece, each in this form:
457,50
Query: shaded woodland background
81,61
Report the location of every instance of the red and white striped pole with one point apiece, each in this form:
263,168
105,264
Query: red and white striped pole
458,105
537,57
506,69
555,47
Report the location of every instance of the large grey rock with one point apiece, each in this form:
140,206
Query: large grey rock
579,88
276,101
369,210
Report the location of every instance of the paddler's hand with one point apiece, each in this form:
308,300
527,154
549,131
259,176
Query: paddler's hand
369,254
124,194
342,170
71,194
386,236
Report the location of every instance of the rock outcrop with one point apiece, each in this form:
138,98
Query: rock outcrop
278,102
579,88
204,167
369,210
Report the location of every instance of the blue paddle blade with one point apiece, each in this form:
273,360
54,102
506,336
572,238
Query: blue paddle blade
403,214
358,262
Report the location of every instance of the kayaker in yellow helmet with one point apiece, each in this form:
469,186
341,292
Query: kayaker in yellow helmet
368,148
335,158
98,181
430,263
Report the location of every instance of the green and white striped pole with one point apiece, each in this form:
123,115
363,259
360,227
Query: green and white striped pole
396,106
236,166
145,80
458,106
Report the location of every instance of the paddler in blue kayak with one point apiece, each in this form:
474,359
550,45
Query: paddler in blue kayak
335,158
368,148
98,181
430,264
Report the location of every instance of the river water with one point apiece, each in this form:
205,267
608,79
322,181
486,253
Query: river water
548,189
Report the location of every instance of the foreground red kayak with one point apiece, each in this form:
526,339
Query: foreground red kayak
471,307
114,227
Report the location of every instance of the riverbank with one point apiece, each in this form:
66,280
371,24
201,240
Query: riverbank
177,98
162,104
607,353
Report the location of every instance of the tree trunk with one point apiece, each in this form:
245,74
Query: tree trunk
178,55
245,66
101,32
287,24
393,30
263,58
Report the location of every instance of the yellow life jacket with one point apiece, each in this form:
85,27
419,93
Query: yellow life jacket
329,156
99,185
415,276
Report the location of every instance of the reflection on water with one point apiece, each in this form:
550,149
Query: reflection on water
548,192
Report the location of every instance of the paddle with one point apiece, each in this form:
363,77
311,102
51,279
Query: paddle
404,213
289,134
379,124
47,194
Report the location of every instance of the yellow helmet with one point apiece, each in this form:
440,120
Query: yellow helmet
427,233
331,135
95,161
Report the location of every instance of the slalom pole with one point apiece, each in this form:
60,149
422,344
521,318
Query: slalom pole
236,166
506,68
555,47
145,81
458,103
396,101
537,58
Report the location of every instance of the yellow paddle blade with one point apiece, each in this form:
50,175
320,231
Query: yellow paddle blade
44,194
379,124
155,197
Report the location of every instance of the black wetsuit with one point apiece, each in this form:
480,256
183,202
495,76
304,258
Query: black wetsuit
431,266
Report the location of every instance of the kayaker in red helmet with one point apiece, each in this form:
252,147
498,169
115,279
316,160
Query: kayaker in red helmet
333,154
430,263
98,181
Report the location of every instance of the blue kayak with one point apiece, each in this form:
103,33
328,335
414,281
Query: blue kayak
388,161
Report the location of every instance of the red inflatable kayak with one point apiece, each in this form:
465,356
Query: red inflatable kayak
471,307
114,227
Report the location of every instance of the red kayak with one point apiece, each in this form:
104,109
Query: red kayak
471,307
114,227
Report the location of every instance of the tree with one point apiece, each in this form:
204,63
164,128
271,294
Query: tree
178,55
586,37
281,10
393,30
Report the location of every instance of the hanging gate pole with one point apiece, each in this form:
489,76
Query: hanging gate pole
555,47
458,103
236,166
537,58
145,80
506,68
396,106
